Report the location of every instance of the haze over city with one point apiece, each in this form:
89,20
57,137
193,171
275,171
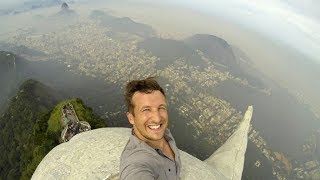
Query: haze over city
214,58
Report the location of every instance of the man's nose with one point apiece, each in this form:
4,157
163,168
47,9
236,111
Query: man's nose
156,117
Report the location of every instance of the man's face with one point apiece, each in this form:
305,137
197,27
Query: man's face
150,117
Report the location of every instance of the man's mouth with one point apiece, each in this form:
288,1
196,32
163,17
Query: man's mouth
154,127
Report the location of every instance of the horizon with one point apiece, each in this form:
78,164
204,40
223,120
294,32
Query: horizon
211,79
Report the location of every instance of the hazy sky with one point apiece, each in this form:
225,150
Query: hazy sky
295,23
10,3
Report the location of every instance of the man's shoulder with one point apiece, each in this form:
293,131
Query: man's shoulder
138,160
138,152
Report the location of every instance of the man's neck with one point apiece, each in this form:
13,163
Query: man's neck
161,144
164,146
157,144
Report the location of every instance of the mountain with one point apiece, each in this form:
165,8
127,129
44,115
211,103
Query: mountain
7,62
122,24
16,124
30,128
11,75
64,6
29,5
47,131
168,50
84,113
217,50
214,48
19,49
11,64
223,56
66,11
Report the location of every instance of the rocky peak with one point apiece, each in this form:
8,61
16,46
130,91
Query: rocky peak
64,6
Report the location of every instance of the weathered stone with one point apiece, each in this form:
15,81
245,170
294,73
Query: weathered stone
229,158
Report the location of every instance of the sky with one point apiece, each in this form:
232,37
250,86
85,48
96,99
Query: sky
292,22
295,23
10,3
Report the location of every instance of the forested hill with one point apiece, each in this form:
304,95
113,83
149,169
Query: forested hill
10,74
25,134
16,124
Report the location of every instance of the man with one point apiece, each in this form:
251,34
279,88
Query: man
151,152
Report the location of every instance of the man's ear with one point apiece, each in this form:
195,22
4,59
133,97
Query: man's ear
130,118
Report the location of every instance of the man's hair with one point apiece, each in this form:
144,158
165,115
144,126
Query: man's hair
145,86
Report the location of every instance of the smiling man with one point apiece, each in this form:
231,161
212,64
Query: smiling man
151,152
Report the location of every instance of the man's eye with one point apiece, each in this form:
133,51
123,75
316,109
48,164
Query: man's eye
147,109
163,108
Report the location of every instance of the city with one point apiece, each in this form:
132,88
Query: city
89,49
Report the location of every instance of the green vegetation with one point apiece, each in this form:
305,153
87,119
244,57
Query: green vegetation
39,144
16,125
30,128
84,113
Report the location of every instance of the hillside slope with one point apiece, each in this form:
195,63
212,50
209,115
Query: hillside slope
16,124
29,128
